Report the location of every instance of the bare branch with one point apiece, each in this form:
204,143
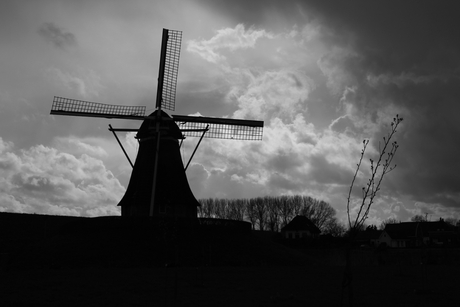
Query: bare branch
378,169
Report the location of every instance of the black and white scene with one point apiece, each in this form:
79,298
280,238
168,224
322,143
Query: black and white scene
229,153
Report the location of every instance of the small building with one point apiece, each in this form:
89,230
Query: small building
416,234
300,227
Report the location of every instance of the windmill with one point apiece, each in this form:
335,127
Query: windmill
158,185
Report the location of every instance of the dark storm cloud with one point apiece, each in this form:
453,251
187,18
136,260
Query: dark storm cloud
408,55
329,173
281,183
397,56
257,12
56,35
404,31
284,162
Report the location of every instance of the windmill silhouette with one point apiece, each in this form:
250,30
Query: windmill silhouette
158,185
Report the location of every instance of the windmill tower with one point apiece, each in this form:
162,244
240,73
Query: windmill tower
158,185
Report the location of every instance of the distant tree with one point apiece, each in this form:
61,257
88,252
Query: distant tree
371,228
390,220
379,168
237,209
273,212
206,208
251,211
418,218
286,210
319,212
335,228
220,208
297,202
261,212
269,212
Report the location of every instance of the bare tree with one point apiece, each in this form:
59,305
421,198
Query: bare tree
334,228
297,204
269,213
418,218
251,212
273,212
261,208
318,211
236,209
207,208
286,210
379,167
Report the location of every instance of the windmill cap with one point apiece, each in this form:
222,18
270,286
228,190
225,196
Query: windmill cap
168,127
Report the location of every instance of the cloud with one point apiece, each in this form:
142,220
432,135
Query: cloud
333,65
273,94
333,68
78,146
228,38
57,36
48,181
84,82
323,76
400,80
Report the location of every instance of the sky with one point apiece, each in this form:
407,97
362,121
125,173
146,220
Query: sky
322,75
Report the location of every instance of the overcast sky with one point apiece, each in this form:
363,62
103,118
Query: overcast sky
323,75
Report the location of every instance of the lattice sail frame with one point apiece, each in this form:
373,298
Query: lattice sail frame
220,128
75,107
191,126
171,69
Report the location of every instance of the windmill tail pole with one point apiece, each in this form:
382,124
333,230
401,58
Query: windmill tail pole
119,143
207,128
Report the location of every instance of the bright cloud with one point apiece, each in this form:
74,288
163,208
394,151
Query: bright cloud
45,180
231,39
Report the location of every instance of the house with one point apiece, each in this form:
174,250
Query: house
300,227
416,234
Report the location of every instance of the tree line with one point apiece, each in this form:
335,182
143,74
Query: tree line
272,213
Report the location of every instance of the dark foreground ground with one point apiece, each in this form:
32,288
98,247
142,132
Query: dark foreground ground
230,286
57,261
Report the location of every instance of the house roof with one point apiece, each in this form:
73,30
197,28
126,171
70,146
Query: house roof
301,223
415,229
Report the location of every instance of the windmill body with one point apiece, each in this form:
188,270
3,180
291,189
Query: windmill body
173,196
158,185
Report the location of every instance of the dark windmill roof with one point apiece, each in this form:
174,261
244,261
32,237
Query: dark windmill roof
167,126
301,223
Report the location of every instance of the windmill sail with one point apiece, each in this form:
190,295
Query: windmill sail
191,126
74,107
169,68
220,128
158,185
